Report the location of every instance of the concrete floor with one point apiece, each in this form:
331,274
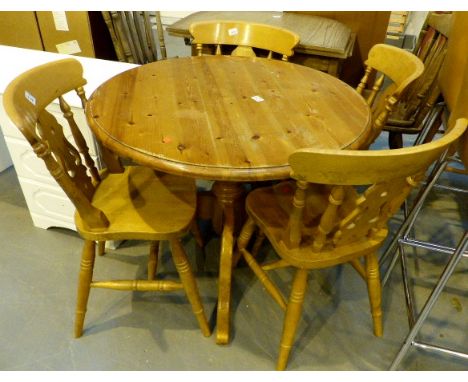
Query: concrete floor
147,331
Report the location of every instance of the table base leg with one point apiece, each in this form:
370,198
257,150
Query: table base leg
227,194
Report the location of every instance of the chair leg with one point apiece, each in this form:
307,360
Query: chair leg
293,314
243,239
195,230
395,140
84,284
264,279
190,285
153,260
375,292
101,248
258,243
200,254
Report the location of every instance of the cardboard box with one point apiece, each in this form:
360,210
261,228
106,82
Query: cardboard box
66,33
78,33
20,29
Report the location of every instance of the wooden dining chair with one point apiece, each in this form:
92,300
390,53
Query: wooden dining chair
411,113
392,70
240,38
323,220
134,204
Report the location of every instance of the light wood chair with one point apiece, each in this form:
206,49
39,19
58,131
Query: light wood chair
136,203
240,38
323,220
411,114
400,68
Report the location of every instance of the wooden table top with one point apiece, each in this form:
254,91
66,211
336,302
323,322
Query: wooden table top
224,118
318,35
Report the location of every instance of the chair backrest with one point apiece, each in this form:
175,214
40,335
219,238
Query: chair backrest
243,36
397,65
25,101
350,217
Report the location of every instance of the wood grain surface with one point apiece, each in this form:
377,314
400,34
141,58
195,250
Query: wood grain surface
195,116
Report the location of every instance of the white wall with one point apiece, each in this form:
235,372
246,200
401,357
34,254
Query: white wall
168,17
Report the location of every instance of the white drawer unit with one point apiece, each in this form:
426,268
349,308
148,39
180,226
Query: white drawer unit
49,205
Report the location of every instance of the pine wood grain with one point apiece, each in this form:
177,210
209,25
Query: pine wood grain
195,116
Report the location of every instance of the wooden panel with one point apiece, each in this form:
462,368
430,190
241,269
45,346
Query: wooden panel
370,29
454,77
456,61
442,22
20,29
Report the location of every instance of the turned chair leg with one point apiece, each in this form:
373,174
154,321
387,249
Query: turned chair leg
191,289
195,230
101,248
395,140
375,292
84,284
258,243
293,315
153,260
200,254
243,239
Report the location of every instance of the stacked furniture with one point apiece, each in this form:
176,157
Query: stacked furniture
134,35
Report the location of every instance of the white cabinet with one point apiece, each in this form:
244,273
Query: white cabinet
47,202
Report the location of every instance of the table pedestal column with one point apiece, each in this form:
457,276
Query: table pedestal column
228,194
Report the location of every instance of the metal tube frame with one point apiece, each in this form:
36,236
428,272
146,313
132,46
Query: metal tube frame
410,339
410,216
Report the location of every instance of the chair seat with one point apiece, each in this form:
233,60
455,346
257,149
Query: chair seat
139,204
270,208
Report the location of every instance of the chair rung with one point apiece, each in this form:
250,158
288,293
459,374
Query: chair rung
139,285
450,188
428,245
441,349
275,265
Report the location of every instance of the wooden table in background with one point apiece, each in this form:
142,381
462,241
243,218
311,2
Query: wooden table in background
228,119
324,43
